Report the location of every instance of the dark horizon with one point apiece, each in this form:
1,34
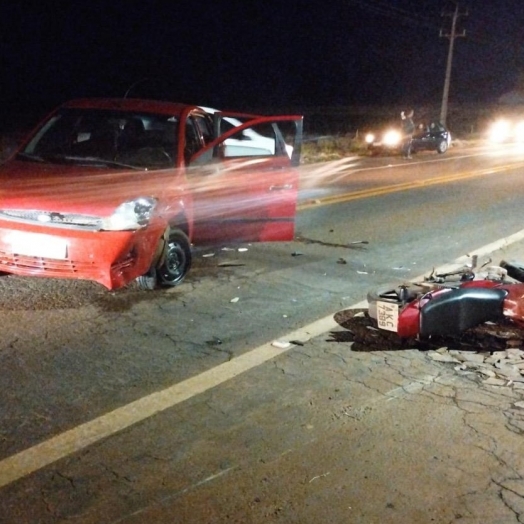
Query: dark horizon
239,55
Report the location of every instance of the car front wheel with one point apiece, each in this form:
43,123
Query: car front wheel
175,264
442,146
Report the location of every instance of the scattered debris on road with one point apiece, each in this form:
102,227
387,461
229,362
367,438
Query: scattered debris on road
281,344
497,368
231,263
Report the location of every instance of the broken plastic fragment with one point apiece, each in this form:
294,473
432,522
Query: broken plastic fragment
242,249
236,299
231,263
281,344
362,272
206,255
296,254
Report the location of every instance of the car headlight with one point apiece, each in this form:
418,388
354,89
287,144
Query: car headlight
370,138
392,138
519,132
500,131
130,215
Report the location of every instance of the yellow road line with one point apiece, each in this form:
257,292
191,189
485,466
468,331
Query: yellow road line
404,186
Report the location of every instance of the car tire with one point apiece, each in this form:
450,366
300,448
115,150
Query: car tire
442,147
176,262
177,259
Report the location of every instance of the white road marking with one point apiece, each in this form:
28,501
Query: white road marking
56,448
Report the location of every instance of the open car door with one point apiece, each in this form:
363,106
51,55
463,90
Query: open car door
247,194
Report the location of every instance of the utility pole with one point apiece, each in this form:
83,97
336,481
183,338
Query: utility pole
455,15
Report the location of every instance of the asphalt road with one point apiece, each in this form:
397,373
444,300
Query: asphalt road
161,411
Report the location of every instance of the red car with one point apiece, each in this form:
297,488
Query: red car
113,190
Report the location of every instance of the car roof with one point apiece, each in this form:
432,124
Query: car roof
129,104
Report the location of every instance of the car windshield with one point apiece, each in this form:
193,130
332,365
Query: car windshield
106,138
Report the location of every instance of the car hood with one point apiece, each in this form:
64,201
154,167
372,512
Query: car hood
77,189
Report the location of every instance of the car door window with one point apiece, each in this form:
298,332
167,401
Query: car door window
193,141
204,127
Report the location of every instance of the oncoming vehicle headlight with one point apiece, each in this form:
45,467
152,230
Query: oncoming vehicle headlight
370,138
499,131
519,132
392,137
130,215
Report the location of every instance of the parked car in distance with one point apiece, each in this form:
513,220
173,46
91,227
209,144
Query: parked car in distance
427,137
117,190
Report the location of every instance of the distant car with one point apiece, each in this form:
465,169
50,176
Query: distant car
431,137
117,190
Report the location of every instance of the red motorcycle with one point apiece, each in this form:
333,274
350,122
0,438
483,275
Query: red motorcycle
472,308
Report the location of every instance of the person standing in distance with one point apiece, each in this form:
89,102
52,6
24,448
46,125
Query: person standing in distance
408,127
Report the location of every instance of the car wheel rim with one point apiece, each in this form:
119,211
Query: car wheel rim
173,268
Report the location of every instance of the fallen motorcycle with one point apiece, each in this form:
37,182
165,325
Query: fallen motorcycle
471,308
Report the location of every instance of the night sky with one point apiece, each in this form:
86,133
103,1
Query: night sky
237,54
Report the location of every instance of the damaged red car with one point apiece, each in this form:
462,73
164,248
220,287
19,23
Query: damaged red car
118,190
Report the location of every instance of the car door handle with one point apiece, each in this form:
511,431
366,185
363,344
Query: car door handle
285,187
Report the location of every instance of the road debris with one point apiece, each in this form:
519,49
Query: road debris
281,344
320,476
236,299
207,255
296,254
342,261
242,249
359,242
495,368
215,341
231,263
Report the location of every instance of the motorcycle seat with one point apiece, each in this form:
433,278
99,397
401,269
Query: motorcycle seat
454,312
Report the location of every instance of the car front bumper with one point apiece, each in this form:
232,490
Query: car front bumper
111,258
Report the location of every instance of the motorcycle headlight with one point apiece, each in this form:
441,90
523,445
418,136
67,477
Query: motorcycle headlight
130,215
370,138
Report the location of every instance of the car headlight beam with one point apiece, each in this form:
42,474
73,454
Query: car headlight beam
392,138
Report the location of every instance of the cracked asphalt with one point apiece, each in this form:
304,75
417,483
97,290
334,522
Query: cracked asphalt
317,434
